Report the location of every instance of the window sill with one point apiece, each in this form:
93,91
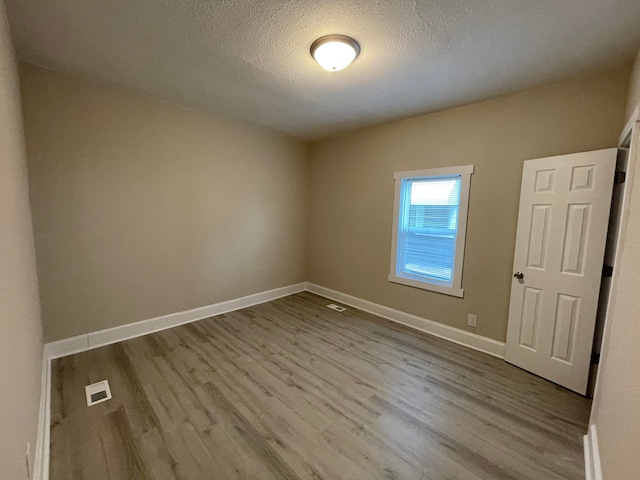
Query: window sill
453,291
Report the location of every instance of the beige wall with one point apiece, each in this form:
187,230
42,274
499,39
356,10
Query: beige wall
142,208
616,404
352,190
20,329
633,99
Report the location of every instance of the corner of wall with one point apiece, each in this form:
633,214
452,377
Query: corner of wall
308,153
633,99
21,343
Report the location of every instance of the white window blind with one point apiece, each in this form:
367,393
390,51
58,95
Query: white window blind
430,220
428,227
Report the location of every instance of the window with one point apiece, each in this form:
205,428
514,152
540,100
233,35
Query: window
430,219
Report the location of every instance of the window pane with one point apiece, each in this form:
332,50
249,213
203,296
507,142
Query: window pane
428,228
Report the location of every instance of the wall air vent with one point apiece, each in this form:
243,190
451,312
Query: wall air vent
335,307
97,392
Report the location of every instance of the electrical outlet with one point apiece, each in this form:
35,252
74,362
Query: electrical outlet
472,320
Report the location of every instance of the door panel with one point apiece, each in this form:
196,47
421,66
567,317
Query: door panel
562,229
575,239
538,236
564,330
530,317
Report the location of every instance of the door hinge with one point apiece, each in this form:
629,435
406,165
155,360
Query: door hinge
619,177
607,271
595,358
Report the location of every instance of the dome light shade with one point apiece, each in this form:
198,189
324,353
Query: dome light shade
335,52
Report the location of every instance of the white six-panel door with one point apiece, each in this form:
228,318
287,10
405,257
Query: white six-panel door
560,242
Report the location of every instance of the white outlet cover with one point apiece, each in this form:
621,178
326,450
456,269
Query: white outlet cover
472,320
97,392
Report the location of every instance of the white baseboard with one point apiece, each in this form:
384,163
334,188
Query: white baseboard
66,346
592,467
455,335
41,461
88,341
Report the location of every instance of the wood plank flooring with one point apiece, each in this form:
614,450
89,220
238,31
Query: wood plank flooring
292,390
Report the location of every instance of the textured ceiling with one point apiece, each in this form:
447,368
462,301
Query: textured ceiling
249,60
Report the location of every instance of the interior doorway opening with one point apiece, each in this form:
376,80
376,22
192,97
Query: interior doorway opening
610,255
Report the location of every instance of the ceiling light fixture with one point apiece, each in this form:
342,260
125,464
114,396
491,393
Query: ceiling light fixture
335,52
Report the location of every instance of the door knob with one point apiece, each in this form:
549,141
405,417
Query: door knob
518,275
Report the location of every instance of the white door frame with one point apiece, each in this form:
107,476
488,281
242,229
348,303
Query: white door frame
630,138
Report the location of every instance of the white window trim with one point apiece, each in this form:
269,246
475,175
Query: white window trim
455,289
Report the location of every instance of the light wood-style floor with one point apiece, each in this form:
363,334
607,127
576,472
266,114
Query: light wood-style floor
292,390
